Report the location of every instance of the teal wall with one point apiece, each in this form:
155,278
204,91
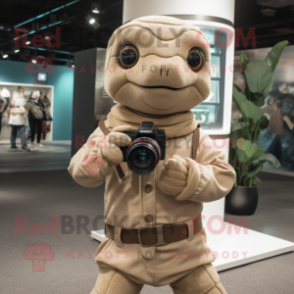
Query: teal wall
62,80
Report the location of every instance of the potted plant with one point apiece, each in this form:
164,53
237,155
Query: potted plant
246,156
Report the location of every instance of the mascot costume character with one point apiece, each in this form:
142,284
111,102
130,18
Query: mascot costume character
157,176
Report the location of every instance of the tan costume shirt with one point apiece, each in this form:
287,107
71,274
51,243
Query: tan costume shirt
138,202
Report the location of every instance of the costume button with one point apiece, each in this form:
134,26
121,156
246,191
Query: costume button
148,218
148,188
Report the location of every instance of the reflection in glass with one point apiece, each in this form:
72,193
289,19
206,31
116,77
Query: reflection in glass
215,66
214,94
206,114
210,112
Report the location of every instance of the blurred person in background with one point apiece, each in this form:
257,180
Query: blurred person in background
278,138
5,96
18,119
47,116
36,116
3,103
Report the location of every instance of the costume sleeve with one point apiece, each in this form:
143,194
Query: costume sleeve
211,177
86,166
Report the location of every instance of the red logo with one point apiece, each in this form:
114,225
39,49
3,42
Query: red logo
39,253
38,41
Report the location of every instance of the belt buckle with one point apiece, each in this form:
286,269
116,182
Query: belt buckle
160,239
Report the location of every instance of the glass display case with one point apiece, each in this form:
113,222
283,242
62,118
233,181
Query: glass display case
210,113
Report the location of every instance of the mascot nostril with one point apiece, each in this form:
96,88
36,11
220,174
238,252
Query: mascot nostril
158,166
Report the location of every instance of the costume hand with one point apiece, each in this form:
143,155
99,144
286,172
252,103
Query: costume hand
173,178
111,144
105,152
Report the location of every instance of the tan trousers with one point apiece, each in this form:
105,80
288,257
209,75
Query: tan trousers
203,280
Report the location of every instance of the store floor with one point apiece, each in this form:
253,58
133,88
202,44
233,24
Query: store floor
30,201
53,155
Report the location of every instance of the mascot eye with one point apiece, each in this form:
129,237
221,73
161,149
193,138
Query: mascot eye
196,59
127,56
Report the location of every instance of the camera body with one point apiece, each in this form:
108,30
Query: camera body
146,150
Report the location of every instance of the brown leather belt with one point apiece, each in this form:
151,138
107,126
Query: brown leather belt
157,235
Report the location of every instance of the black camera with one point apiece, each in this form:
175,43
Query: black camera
146,150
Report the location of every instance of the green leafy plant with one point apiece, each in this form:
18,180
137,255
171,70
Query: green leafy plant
245,154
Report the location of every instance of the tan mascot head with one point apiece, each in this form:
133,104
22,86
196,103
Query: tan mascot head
158,65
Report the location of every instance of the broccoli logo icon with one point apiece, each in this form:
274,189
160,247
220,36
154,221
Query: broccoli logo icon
39,253
40,64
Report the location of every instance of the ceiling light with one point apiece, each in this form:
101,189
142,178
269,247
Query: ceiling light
93,21
266,11
16,50
96,8
34,61
4,54
284,31
275,3
28,42
47,35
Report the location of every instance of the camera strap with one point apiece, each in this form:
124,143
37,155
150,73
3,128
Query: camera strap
103,127
105,131
195,142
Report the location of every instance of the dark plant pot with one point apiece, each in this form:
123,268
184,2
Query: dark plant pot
242,201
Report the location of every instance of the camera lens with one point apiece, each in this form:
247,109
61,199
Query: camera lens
142,155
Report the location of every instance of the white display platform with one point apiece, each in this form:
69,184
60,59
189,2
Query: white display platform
233,249
233,242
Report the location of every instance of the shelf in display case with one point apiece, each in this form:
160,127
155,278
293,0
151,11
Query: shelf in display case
207,115
215,66
211,112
